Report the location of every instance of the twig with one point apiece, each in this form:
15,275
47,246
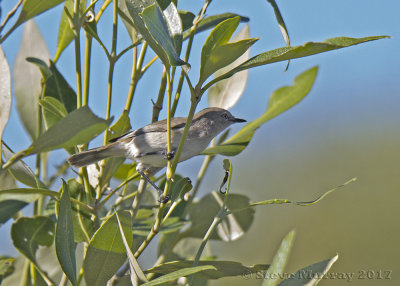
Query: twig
10,15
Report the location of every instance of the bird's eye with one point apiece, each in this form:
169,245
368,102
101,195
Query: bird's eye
225,116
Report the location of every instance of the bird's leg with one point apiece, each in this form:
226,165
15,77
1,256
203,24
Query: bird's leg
162,199
169,155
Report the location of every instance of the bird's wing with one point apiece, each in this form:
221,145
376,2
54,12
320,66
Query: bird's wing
159,126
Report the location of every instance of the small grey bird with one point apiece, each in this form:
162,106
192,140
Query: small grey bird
147,146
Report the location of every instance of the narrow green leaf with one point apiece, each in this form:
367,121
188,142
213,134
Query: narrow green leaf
27,78
310,275
174,24
7,181
153,26
65,33
79,127
213,20
20,171
187,19
91,29
128,23
281,22
219,36
133,264
179,273
28,234
226,93
288,53
29,195
224,55
25,194
281,100
84,226
166,29
106,250
65,245
179,187
125,171
279,262
222,268
30,9
55,84
53,110
8,208
5,92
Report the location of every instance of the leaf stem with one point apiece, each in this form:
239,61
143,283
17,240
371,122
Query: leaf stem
158,105
102,9
217,220
136,74
76,29
86,77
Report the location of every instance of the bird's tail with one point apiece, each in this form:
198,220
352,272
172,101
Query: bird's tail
91,156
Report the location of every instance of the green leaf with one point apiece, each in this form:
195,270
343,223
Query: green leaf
53,110
7,181
65,33
217,52
65,245
177,274
166,29
134,266
211,21
129,25
220,35
232,227
8,208
25,194
79,127
187,19
281,22
83,224
55,84
91,29
310,275
106,250
20,171
142,227
29,195
28,234
6,266
121,126
125,171
27,78
226,93
281,100
222,268
158,29
30,9
287,53
179,187
5,92
224,55
279,262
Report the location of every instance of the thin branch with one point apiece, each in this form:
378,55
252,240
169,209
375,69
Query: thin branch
10,15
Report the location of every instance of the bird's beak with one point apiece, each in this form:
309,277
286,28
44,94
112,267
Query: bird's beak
238,120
